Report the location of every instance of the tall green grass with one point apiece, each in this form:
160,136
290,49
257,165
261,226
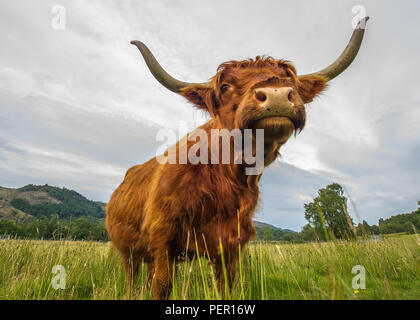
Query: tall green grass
266,271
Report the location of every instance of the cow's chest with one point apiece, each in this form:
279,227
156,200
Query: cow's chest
223,219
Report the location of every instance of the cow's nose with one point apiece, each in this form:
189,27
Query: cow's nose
275,101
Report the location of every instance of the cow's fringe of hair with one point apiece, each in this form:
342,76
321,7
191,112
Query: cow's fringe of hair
259,62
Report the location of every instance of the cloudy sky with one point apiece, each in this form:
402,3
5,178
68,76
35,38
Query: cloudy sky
78,106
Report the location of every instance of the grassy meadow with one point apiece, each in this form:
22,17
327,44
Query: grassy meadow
267,271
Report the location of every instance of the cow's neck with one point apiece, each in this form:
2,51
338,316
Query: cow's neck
237,171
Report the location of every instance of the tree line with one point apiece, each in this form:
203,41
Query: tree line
77,218
328,219
54,228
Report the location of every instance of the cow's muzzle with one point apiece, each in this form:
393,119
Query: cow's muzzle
275,102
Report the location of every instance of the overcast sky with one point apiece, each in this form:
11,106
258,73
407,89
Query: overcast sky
78,106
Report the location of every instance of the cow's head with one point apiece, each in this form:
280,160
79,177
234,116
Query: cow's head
262,93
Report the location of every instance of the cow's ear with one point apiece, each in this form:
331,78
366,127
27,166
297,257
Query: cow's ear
202,96
310,86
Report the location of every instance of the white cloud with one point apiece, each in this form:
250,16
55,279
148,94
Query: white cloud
79,106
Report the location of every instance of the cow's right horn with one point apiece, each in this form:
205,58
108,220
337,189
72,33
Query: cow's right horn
348,55
158,72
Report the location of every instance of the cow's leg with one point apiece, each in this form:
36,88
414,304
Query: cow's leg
222,280
162,278
148,280
131,264
149,275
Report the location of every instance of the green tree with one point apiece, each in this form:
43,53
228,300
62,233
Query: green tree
364,229
326,214
308,233
267,234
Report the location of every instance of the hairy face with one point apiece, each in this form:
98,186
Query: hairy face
257,94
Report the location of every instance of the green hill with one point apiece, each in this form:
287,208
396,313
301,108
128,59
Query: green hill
34,201
269,232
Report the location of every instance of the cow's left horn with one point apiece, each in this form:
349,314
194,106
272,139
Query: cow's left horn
348,55
158,72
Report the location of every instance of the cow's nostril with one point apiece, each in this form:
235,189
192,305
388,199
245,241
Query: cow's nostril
260,96
290,95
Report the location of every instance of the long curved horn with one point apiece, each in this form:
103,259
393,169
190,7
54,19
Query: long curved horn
158,72
348,55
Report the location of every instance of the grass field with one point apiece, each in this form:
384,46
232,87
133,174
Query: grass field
267,271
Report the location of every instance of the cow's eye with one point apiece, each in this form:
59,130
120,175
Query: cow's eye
224,88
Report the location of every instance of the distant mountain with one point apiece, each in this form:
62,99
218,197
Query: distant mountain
274,232
34,201
263,224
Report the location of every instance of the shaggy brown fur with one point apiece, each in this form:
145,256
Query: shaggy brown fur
162,212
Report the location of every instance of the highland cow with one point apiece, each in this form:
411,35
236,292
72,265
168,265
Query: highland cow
163,212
